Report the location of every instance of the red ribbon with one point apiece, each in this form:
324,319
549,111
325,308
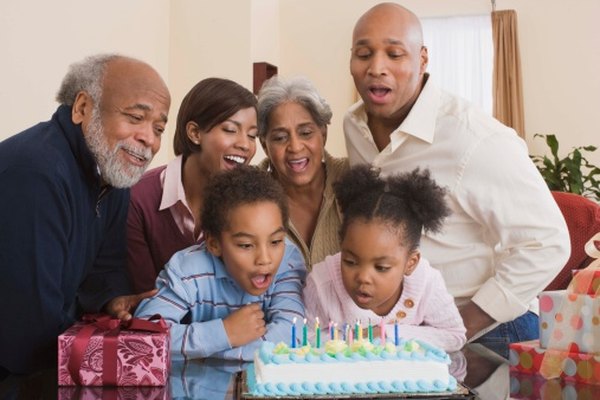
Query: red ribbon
110,328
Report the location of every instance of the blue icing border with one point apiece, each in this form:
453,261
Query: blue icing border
425,352
300,388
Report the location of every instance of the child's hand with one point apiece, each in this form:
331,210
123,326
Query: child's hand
245,325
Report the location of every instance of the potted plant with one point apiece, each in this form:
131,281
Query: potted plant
573,173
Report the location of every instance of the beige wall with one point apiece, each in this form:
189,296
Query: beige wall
187,40
39,39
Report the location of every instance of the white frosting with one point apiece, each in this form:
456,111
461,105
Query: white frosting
351,372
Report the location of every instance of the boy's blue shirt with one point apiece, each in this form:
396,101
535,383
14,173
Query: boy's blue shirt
196,282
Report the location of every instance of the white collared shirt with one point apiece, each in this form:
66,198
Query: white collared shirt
506,238
173,198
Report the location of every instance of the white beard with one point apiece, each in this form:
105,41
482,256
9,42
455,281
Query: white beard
113,169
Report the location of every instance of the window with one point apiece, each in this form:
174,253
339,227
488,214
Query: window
461,56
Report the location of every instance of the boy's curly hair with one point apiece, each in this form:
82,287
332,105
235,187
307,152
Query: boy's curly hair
409,202
242,185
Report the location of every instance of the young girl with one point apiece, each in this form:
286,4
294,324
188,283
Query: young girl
379,275
241,286
216,131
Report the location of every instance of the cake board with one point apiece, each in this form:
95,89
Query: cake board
461,393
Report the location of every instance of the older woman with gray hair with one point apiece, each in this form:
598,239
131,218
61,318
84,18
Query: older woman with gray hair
292,128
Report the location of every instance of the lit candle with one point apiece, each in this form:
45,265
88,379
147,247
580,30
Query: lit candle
318,332
360,332
345,332
330,330
304,334
356,330
396,338
335,332
382,329
294,333
370,331
350,338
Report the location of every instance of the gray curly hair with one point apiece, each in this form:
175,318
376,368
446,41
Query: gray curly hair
84,76
277,91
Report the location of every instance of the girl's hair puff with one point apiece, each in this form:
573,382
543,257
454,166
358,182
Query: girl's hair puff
242,185
410,202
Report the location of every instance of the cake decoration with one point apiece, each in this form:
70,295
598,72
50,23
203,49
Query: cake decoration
344,367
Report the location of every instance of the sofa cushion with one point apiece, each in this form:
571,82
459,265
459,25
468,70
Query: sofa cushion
583,221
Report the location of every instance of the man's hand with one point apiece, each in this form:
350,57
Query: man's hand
474,318
245,325
122,307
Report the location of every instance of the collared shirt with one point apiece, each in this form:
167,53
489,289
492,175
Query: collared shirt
196,282
506,237
173,198
425,309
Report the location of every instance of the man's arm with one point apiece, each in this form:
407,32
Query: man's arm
36,276
108,278
503,191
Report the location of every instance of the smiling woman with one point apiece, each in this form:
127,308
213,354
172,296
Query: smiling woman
216,131
293,121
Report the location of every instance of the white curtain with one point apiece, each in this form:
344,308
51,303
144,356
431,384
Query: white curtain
461,55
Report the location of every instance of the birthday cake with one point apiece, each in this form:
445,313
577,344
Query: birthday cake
360,368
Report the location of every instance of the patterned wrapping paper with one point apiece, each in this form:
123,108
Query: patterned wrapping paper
142,357
530,358
114,393
535,387
570,321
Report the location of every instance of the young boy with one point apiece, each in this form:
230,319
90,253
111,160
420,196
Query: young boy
244,284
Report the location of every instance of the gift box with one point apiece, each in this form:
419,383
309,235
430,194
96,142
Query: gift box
586,281
108,352
114,393
535,387
530,358
570,321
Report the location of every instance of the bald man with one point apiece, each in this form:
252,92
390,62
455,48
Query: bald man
506,238
64,205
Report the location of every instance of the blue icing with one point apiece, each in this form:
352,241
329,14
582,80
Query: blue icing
348,388
424,386
370,356
452,383
373,387
297,388
410,386
321,388
327,358
362,387
398,386
385,387
335,388
310,357
439,384
297,358
281,359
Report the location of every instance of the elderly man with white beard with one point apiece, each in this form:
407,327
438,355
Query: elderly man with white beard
64,201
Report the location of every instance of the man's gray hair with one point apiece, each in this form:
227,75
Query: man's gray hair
84,76
277,91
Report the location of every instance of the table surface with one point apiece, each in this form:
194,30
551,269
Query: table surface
486,373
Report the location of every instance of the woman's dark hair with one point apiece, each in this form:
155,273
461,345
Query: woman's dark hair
409,202
240,186
209,103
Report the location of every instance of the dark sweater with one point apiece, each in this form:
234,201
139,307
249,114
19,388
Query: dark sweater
62,240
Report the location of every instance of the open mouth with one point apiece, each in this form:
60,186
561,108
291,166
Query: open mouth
378,94
262,281
136,157
234,161
362,298
298,165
